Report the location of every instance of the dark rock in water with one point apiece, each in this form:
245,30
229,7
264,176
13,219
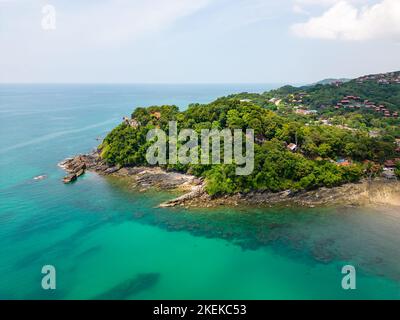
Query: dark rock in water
322,250
70,178
77,166
130,287
80,167
80,172
90,251
138,215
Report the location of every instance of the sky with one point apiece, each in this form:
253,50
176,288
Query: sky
196,41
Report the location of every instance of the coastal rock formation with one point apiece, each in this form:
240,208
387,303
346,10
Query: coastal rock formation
142,178
69,178
197,193
153,177
75,167
366,192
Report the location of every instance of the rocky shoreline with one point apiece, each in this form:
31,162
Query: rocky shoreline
364,193
143,178
75,167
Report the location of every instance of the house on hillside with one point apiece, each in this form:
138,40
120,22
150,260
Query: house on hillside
306,112
391,163
343,162
388,173
156,114
292,147
131,122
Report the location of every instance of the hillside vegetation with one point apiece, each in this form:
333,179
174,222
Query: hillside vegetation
319,147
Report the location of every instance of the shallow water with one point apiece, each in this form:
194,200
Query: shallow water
107,241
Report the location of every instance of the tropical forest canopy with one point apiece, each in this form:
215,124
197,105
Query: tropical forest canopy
320,148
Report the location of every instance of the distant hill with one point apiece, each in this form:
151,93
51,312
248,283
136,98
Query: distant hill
332,81
370,101
382,89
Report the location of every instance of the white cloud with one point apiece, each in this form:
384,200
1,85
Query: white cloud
347,22
304,7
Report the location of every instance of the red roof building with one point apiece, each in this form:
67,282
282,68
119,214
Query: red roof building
156,114
390,163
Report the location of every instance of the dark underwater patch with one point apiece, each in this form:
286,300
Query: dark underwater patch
130,287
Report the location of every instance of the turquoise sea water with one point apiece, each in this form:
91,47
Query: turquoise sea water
107,241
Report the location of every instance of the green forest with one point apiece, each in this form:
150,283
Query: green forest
324,97
319,148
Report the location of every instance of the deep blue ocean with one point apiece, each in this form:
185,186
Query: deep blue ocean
107,241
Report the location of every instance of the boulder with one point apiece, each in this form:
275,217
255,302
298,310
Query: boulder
70,178
111,170
80,172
